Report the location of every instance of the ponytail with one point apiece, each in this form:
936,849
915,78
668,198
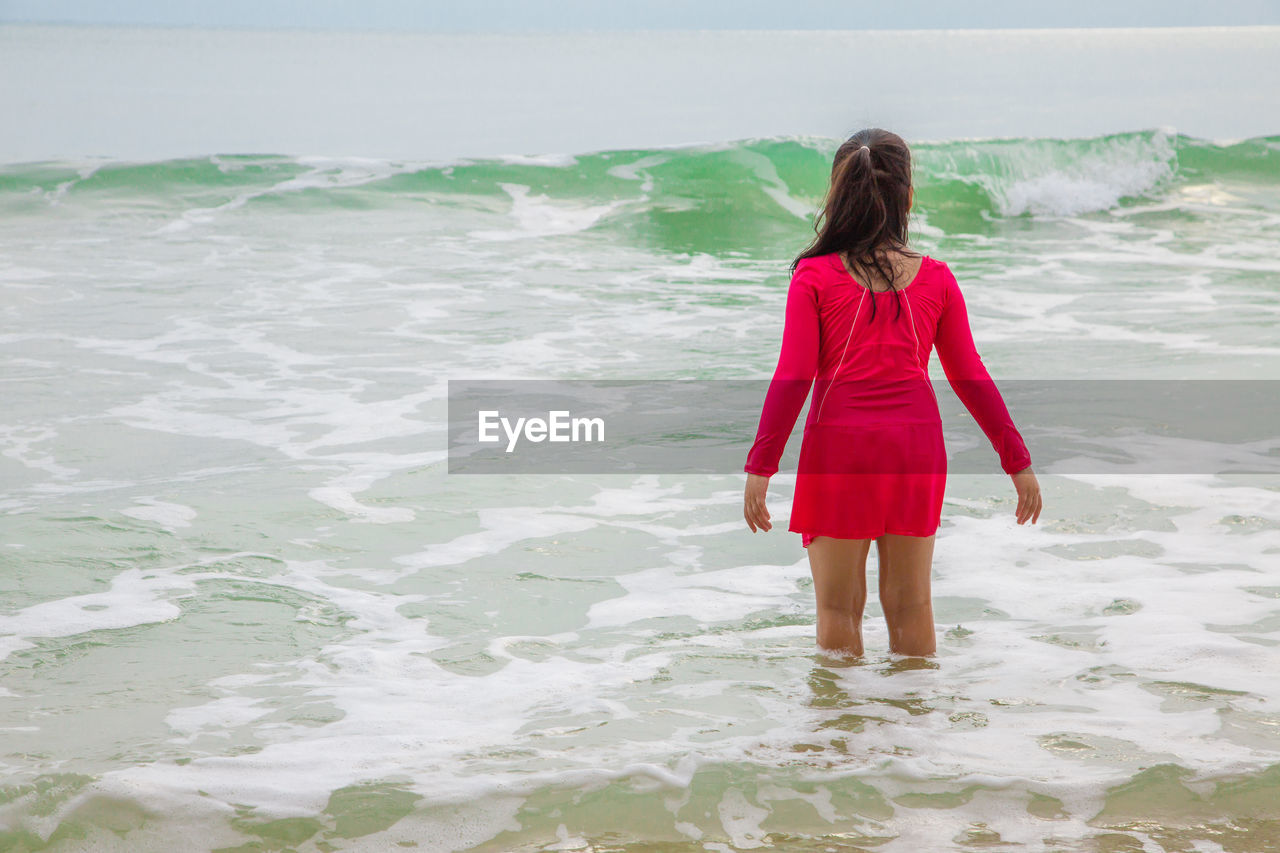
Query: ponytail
867,205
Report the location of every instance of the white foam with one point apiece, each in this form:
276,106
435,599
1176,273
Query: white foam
501,527
707,596
136,597
772,184
168,515
327,173
637,170
1042,182
539,216
216,717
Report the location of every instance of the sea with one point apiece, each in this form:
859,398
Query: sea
246,606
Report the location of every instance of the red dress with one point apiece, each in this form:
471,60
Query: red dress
873,460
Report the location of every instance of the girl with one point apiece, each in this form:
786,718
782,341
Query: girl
863,313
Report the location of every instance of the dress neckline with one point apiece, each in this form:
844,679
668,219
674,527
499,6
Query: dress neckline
838,259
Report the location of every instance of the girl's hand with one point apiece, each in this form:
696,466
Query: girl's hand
753,508
1029,503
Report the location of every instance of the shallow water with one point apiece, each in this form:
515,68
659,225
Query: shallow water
246,608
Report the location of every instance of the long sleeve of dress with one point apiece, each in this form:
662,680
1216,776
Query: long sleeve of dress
973,384
792,378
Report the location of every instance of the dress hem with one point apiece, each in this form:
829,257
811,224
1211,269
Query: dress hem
815,534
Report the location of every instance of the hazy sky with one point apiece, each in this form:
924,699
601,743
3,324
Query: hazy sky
499,15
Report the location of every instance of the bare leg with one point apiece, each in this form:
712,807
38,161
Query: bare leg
839,568
906,565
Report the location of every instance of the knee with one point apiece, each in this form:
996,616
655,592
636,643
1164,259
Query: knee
907,607
838,612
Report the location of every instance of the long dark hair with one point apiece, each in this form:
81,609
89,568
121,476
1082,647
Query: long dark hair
866,208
